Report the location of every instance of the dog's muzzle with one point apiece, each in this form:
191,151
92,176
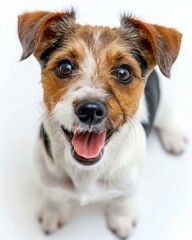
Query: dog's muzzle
88,143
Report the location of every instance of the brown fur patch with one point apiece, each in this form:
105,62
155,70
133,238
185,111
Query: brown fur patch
55,87
123,101
38,30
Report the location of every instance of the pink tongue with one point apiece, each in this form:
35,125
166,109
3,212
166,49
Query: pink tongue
88,145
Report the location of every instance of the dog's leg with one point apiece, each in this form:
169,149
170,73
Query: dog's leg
167,122
55,210
55,203
120,216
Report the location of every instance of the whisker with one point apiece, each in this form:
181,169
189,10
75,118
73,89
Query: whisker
42,118
137,123
133,126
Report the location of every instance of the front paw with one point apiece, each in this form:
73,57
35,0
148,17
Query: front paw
122,226
54,214
51,219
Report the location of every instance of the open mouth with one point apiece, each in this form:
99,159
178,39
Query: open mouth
88,147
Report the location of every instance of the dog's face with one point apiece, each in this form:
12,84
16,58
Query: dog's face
93,77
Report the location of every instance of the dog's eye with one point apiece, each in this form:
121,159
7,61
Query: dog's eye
64,68
123,73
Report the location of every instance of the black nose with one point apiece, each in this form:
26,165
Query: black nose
91,113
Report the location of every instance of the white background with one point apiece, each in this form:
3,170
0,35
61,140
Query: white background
164,199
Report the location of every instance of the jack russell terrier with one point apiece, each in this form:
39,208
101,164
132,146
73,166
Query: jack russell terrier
102,98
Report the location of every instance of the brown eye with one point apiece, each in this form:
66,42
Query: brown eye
64,68
123,73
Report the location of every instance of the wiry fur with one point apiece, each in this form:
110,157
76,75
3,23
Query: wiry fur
96,53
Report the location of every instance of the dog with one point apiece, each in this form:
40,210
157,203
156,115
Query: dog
102,97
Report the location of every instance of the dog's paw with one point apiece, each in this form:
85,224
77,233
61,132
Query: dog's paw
51,220
122,226
53,214
173,141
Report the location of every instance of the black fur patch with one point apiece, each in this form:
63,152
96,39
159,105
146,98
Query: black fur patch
140,59
45,56
152,96
45,138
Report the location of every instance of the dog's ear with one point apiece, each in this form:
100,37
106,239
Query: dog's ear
45,28
160,45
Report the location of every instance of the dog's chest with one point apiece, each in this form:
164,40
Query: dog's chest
95,190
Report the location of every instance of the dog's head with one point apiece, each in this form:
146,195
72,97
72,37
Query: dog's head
93,77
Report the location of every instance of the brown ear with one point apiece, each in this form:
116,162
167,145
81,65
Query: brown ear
160,45
35,27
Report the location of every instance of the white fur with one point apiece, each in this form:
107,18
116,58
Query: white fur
114,177
96,36
121,218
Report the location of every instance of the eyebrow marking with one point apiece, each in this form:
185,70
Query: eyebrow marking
140,59
45,56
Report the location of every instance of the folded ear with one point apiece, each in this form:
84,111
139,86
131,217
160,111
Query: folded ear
40,27
160,45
